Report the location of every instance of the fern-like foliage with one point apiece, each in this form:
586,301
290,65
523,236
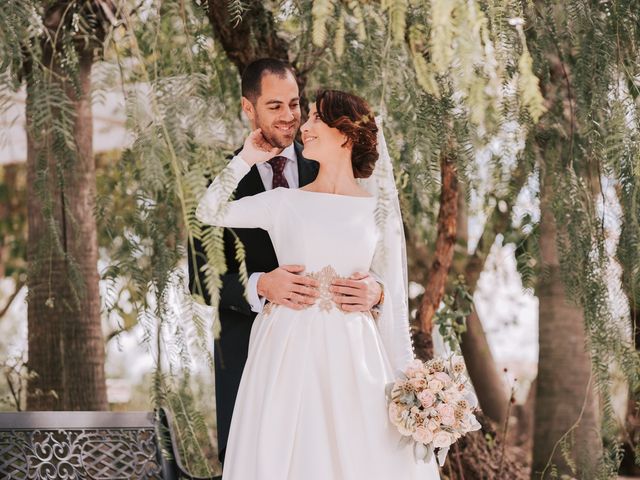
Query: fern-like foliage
488,79
322,10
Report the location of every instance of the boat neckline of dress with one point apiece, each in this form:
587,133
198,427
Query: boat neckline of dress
368,197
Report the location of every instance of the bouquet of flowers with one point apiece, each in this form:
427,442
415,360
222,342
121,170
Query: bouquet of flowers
432,404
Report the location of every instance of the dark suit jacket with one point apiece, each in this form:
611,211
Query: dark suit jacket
259,253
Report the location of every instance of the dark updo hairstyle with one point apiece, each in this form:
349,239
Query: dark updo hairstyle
352,116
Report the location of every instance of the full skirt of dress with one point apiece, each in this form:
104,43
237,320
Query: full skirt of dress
311,404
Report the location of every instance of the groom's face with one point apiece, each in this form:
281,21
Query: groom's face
276,110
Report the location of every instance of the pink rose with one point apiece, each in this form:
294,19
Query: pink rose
443,377
447,414
426,398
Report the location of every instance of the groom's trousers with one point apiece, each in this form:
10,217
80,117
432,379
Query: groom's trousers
230,356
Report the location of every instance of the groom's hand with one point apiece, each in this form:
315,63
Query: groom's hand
283,286
358,293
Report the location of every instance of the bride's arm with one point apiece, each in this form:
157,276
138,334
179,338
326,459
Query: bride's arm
248,212
215,208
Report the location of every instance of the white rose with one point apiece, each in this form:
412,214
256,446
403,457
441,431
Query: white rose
450,396
395,413
442,439
447,414
423,435
415,367
435,385
433,425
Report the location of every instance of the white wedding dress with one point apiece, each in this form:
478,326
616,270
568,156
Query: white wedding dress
311,403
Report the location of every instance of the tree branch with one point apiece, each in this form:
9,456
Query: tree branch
13,296
445,242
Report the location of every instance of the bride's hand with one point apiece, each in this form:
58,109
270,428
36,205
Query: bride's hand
257,149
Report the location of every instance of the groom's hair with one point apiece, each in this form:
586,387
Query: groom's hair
253,73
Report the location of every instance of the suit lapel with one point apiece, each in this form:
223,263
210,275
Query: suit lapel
307,169
251,184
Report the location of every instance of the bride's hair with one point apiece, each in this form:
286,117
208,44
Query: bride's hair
353,117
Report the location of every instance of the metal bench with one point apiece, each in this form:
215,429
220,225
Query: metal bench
89,445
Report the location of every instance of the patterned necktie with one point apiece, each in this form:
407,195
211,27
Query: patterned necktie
277,165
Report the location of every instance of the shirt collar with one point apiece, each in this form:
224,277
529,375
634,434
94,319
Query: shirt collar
289,152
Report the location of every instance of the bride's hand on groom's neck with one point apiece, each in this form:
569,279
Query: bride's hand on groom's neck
257,149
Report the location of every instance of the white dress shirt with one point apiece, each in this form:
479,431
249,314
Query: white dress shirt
266,173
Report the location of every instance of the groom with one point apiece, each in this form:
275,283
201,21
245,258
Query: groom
270,100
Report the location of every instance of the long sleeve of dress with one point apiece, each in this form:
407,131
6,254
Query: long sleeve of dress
248,212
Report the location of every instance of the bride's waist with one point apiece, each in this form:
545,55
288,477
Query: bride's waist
327,267
325,277
320,309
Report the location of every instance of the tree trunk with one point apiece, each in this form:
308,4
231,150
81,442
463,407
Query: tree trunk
487,382
254,37
445,243
66,348
483,372
628,258
565,405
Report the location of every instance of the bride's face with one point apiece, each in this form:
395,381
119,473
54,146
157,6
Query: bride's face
321,142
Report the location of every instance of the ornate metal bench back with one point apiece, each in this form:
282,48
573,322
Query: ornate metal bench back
81,445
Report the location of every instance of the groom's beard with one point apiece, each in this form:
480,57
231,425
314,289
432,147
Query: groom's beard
280,139
277,138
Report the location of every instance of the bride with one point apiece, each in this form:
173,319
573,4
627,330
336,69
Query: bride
311,404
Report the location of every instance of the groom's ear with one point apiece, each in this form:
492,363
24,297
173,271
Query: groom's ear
249,109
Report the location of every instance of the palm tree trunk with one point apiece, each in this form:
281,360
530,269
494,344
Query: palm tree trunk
66,347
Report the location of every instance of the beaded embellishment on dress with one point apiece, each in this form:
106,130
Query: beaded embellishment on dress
268,308
325,301
325,277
